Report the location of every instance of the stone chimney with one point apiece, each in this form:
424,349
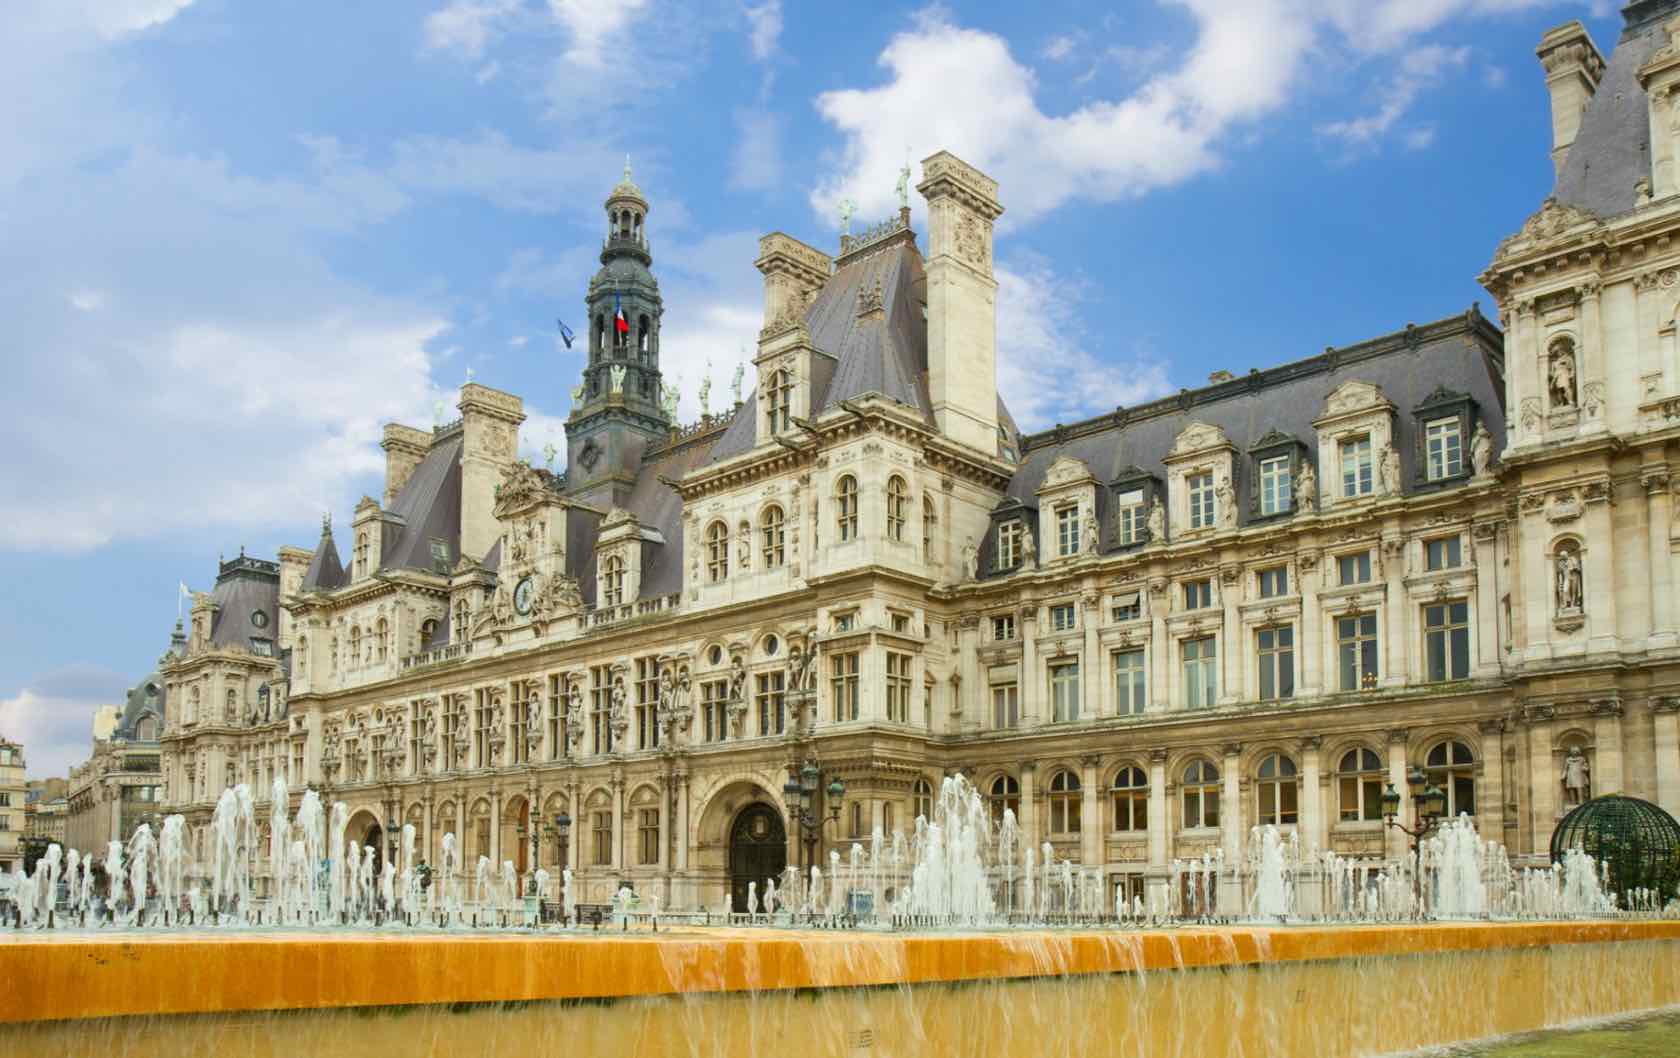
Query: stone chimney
404,448
1573,67
961,300
490,442
793,272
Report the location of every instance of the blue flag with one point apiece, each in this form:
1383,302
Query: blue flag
566,334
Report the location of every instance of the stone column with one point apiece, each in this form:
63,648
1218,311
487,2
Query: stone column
1395,843
680,823
1521,345
1233,680
1231,828
1031,682
1396,661
573,837
1093,699
1090,812
1598,559
1160,651
1029,805
970,676
618,858
1542,778
1311,826
1309,647
496,828
1158,809
1484,622
1607,776
1658,517
1665,718
1490,792
1593,371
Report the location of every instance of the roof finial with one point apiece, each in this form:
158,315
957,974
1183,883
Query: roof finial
326,523
848,209
627,167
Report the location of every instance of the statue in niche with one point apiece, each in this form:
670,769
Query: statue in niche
618,371
1306,489
574,714
1560,374
971,559
1577,777
737,679
1568,575
1029,548
1157,521
1481,450
1226,497
1388,468
619,713
1093,531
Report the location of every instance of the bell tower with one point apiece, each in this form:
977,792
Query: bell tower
618,409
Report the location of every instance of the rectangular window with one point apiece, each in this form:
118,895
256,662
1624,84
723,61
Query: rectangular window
714,710
600,708
1067,531
845,622
1006,706
901,623
772,711
648,830
416,738
1276,647
1446,633
1129,517
1275,496
1274,582
647,703
1064,691
889,817
1199,487
1445,448
481,727
1356,650
1003,628
1201,671
898,687
1131,693
1009,545
602,822
1443,553
1198,594
1356,467
843,681
1062,617
1354,569
1128,607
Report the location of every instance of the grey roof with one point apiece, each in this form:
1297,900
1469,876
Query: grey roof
657,506
1612,148
742,432
149,696
245,588
886,356
325,571
429,505
1460,354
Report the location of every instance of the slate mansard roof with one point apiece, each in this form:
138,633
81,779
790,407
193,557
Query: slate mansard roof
245,588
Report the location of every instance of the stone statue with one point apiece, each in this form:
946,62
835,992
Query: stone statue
1560,375
574,715
971,559
1157,521
619,713
706,392
848,209
1093,532
1481,450
735,386
671,395
903,187
1306,490
1226,497
1577,777
737,679
618,371
1569,593
1029,548
577,394
1389,469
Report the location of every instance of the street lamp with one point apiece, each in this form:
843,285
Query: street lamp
1429,805
391,836
800,796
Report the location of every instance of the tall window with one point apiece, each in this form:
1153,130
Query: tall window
463,618
1444,447
1356,650
1275,496
1063,617
717,552
1445,552
846,507
1201,671
382,636
519,743
929,519
1446,635
1003,628
1200,490
1131,694
1278,790
1006,705
1356,466
1354,569
1009,544
416,738
361,554
1064,690
612,582
602,827
844,682
1198,594
898,507
481,726
557,746
1201,795
1129,517
772,711
647,703
1276,648
898,687
1004,794
1131,799
647,830
714,710
355,646
600,708
1067,531
772,536
1274,582
780,394
1064,803
1359,783
1452,767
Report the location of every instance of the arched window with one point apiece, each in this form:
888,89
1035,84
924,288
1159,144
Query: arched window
643,334
773,536
1005,794
463,614
1064,803
929,520
846,507
147,729
612,582
361,554
1201,795
779,394
1131,799
1278,789
192,704
898,507
355,644
1452,767
923,794
1359,784
381,642
428,632
717,552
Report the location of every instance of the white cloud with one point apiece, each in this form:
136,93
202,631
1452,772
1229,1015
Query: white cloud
1494,76
87,300
1059,48
756,162
764,27
467,27
488,72
1418,69
53,717
595,27
118,18
524,179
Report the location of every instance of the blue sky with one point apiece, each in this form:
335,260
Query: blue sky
238,237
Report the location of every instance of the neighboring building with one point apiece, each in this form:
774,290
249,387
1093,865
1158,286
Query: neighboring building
105,721
13,797
1259,601
121,785
46,809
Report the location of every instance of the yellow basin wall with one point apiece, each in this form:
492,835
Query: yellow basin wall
1283,992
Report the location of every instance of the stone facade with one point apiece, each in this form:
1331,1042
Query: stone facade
14,794
1452,547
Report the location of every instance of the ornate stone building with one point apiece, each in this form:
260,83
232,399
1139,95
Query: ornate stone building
13,795
1262,600
120,785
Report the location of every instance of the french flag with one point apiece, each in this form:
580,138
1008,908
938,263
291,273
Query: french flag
620,324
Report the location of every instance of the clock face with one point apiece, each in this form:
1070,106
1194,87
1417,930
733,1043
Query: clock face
522,596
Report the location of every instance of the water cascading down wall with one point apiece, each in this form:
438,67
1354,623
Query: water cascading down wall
1358,990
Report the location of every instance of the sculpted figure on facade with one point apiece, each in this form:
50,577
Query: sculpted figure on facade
1481,450
737,706
1029,548
618,714
1093,532
1306,490
1157,521
1226,497
971,560
1388,470
574,713
618,372
1567,571
1560,374
1577,779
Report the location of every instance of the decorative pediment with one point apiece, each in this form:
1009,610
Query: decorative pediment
1131,474
1274,438
616,517
1552,219
1354,396
521,488
1196,439
1440,397
1065,472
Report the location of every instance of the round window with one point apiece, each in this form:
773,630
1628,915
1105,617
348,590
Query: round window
259,619
715,655
771,645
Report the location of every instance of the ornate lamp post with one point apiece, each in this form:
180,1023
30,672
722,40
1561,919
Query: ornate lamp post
800,796
555,830
1429,804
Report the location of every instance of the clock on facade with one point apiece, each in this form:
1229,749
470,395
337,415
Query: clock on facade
522,596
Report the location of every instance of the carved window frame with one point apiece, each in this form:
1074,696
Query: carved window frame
1134,479
1438,405
1273,446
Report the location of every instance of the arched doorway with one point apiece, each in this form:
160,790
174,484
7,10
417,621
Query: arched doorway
757,850
375,839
